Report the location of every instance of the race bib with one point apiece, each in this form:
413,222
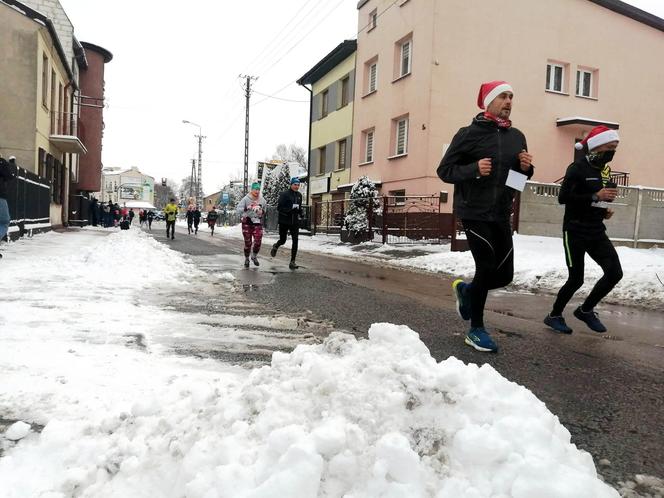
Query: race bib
296,206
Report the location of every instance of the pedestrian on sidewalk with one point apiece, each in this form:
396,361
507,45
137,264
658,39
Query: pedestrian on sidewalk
212,218
171,214
586,192
289,207
150,217
251,209
478,162
131,215
197,219
7,174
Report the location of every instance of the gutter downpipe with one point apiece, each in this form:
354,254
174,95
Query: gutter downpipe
311,115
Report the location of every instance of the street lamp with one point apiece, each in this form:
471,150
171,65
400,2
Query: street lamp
199,186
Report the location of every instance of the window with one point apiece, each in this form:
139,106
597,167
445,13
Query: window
405,57
341,145
324,104
373,74
401,137
321,160
368,146
53,92
555,74
584,83
61,109
399,197
45,80
373,19
345,84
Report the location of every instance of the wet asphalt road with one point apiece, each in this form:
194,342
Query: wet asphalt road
607,390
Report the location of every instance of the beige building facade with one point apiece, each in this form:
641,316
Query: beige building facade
332,82
123,186
36,100
420,64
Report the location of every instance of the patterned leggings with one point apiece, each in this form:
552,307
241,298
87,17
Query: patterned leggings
250,232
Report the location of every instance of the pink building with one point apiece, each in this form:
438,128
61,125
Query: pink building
573,64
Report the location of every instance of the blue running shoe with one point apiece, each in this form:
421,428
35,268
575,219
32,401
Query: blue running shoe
462,298
480,339
590,318
558,324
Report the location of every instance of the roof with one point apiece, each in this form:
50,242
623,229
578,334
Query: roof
586,121
617,6
632,12
100,50
329,62
45,21
139,205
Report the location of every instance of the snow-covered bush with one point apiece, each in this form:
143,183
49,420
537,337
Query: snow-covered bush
363,193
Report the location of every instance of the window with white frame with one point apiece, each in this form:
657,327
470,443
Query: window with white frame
405,59
373,19
401,137
372,77
368,146
555,74
584,83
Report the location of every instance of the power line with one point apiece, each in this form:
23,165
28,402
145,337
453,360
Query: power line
279,98
270,46
305,35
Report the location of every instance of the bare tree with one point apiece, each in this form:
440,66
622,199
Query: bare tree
291,153
163,194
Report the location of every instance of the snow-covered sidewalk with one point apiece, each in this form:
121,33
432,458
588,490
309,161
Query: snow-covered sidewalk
539,264
82,414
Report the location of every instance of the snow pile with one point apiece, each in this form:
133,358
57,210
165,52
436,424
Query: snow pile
356,418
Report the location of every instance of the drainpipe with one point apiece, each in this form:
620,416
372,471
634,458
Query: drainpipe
311,115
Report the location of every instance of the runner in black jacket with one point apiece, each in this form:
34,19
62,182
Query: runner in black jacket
586,191
478,162
290,212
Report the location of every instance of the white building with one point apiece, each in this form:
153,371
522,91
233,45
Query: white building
126,186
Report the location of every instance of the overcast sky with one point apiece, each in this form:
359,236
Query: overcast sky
175,61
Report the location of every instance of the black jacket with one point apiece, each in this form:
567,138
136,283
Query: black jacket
485,198
290,207
582,215
7,173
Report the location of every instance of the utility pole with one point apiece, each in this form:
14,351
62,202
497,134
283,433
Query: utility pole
199,176
247,94
193,179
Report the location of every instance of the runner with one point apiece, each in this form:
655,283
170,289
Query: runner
290,212
212,217
252,210
197,219
481,161
586,191
171,214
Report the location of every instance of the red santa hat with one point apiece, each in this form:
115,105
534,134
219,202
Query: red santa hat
599,135
490,90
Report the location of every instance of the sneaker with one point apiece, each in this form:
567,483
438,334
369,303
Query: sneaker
246,262
590,318
273,251
479,338
557,323
254,259
462,298
293,266
172,237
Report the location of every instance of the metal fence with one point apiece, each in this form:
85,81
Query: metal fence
29,198
400,220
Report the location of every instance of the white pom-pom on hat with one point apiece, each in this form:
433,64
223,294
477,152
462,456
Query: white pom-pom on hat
599,135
